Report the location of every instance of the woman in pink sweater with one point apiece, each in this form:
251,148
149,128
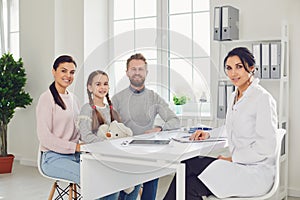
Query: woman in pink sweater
56,112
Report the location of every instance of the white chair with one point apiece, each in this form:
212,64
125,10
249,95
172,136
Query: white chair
70,190
279,136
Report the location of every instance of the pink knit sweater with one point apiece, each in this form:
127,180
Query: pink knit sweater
56,127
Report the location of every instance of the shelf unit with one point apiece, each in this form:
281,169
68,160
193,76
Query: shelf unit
279,88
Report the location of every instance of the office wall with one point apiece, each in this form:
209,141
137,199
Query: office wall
47,29
262,19
96,33
37,51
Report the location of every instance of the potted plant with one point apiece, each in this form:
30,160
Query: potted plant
12,96
178,102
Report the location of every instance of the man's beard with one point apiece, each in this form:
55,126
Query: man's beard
137,83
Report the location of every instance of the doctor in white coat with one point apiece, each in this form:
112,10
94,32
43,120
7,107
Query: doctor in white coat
251,124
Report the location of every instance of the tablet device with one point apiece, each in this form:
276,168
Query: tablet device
149,142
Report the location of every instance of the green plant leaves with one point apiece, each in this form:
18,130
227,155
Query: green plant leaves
179,100
12,83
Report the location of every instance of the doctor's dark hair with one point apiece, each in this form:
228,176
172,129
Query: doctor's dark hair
97,118
61,59
245,56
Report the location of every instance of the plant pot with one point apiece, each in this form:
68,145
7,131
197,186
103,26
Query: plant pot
6,163
178,109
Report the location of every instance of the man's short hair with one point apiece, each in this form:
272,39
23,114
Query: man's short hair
137,56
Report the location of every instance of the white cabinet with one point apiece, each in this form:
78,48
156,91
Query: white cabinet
278,87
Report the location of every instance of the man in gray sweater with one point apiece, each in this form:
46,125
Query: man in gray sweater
138,107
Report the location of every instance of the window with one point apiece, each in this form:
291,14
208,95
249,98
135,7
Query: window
9,27
174,36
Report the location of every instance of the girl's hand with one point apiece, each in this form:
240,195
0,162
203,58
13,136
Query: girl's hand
78,147
199,135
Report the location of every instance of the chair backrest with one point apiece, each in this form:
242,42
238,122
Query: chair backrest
279,136
39,163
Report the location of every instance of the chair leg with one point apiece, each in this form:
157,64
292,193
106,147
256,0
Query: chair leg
71,191
141,192
52,191
75,191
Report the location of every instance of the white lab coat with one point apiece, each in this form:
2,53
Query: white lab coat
250,127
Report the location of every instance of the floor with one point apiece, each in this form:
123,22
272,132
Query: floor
26,183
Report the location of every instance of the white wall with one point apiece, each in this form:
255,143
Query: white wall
262,19
37,51
96,33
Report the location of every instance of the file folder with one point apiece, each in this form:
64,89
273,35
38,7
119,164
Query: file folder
225,90
265,61
230,23
217,24
275,53
221,112
256,50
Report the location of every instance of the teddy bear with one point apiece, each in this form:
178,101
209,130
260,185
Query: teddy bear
113,131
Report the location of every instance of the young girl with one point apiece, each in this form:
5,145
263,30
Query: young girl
96,113
56,112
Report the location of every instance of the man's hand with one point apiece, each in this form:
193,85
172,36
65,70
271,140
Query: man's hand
199,135
157,129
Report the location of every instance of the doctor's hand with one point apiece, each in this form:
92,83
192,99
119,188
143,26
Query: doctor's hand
199,135
225,158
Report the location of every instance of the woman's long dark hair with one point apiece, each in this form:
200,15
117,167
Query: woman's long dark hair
97,118
61,59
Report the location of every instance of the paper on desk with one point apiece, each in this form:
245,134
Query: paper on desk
186,139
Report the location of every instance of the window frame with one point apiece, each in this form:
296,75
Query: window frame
163,42
6,29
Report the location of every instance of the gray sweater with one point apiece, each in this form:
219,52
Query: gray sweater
138,110
85,122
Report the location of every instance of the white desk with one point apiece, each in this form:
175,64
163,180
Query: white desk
111,167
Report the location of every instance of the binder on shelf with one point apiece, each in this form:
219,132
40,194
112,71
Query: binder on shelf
275,53
256,50
217,24
225,90
221,112
265,61
229,23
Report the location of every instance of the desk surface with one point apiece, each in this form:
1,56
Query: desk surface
111,166
173,152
